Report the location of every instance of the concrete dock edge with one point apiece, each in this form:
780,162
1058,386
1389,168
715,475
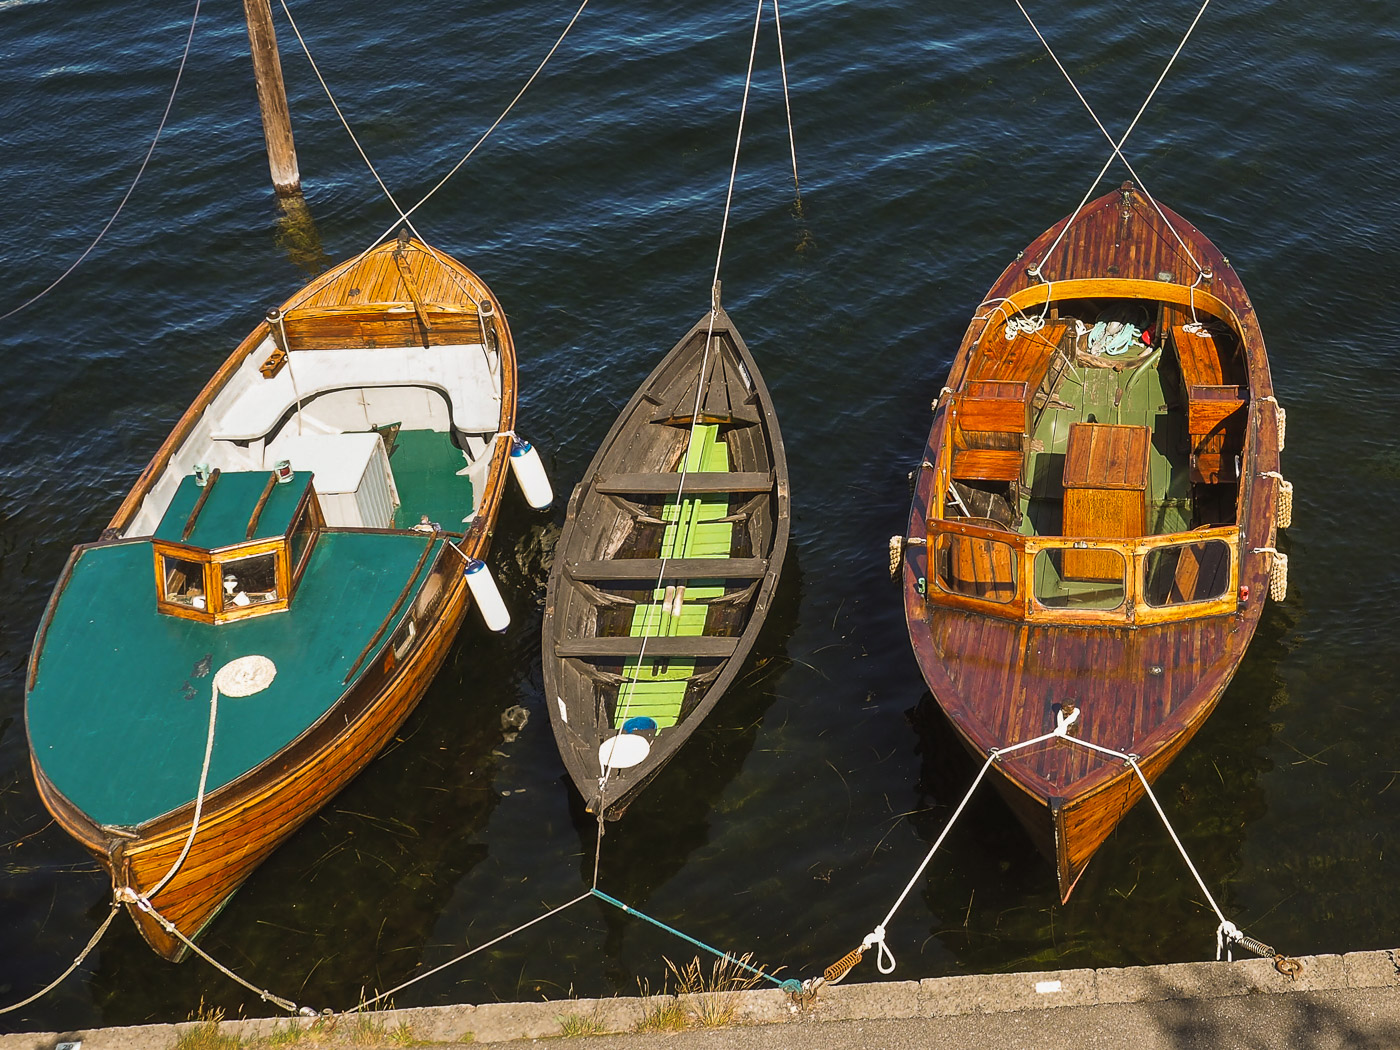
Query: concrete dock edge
887,1001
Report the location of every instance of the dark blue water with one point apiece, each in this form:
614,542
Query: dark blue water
934,141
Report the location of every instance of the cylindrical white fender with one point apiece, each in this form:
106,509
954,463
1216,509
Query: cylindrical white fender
529,474
486,595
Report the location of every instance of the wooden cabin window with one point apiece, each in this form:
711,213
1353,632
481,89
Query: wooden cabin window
976,567
249,581
1186,572
1072,577
183,582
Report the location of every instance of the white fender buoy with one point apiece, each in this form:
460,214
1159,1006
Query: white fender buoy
529,474
486,595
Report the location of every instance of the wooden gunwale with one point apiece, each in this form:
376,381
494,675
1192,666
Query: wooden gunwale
246,819
625,784
998,702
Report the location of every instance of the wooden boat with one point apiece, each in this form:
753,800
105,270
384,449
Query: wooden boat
297,544
671,549
1093,520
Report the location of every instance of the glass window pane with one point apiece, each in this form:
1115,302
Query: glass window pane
1188,572
1070,578
302,535
249,581
184,582
976,566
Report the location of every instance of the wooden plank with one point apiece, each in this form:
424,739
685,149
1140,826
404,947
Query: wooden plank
1210,406
986,464
666,483
619,648
676,569
992,414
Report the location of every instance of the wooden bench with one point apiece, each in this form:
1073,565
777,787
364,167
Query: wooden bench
696,482
1215,406
658,647
986,464
649,569
1023,360
980,566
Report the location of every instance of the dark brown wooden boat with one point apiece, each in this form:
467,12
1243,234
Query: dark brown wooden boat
298,541
1094,520
671,550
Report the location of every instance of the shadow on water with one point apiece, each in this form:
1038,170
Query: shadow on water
993,895
671,819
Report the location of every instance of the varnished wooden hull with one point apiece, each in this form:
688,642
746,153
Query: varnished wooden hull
1141,688
593,549
243,821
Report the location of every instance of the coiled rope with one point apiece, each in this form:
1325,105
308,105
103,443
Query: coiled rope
1034,269
164,117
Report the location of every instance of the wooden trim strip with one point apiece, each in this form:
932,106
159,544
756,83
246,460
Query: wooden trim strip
262,502
403,596
413,293
199,506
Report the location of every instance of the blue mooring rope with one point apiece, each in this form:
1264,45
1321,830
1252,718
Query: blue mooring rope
790,986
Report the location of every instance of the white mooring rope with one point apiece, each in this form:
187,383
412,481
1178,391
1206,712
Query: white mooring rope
164,118
1227,933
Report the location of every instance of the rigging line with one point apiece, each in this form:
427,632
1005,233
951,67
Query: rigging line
1117,146
787,102
170,102
480,947
484,135
345,123
91,944
699,390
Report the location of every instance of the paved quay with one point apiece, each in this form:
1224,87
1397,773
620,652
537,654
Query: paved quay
1344,1001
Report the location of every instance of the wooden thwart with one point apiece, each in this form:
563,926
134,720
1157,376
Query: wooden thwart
676,569
700,646
697,482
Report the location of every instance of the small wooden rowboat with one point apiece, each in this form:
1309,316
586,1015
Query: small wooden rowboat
671,549
1094,518
298,545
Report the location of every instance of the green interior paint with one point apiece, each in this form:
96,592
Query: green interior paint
656,688
425,465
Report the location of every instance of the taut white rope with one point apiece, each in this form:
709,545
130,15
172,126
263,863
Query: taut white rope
1034,269
608,766
164,117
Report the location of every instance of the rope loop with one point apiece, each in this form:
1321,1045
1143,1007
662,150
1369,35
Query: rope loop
876,940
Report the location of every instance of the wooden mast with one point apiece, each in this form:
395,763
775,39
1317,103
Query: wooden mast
272,98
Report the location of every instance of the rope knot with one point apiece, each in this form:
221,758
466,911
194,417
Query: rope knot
876,940
1227,935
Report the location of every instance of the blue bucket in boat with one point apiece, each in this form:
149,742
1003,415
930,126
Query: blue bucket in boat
639,724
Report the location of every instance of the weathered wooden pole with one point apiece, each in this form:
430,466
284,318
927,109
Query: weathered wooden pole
272,98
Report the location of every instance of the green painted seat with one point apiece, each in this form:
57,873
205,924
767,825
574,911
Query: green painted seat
656,688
